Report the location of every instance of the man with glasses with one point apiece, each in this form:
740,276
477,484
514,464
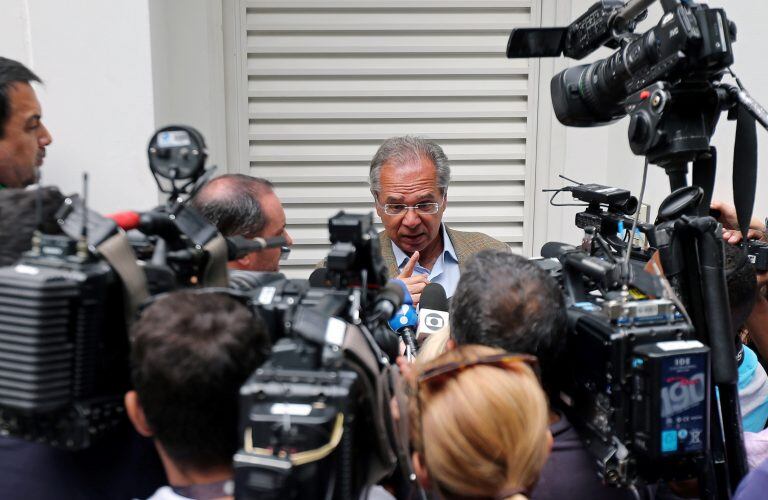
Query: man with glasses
409,181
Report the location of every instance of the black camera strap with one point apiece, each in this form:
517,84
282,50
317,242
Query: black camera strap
744,169
117,251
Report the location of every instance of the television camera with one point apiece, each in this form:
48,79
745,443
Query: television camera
669,81
67,305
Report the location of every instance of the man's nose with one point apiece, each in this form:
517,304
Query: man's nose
45,137
411,218
288,239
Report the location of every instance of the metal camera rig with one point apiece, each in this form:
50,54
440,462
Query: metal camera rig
669,81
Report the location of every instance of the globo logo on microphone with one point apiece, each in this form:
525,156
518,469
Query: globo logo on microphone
433,321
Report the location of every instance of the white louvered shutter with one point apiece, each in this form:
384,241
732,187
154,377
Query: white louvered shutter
328,81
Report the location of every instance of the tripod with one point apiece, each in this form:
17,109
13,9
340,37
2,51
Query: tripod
672,126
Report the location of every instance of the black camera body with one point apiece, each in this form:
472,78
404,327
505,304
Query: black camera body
63,346
690,42
312,419
636,382
638,389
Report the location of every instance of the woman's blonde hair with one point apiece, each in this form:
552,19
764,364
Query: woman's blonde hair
433,346
483,429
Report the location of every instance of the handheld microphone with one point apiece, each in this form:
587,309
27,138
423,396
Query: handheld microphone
433,312
407,299
404,322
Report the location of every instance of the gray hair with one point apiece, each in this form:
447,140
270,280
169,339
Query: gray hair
408,148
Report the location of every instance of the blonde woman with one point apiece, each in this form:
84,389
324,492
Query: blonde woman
479,424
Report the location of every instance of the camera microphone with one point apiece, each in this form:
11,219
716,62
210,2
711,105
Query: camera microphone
388,301
573,258
238,246
555,249
433,312
149,223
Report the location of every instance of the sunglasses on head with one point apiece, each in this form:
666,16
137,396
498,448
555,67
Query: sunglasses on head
441,373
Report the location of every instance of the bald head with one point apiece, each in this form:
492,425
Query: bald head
232,203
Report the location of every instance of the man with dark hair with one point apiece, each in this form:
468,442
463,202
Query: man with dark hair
504,300
241,205
190,354
23,137
753,381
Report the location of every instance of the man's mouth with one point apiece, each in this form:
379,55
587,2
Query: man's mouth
411,238
40,157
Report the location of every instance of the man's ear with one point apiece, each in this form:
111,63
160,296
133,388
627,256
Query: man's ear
136,414
244,262
420,469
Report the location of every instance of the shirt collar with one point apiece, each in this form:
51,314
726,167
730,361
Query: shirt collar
401,258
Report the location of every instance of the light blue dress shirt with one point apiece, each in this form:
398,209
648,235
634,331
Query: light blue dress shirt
446,269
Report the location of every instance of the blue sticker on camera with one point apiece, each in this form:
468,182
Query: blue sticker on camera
668,441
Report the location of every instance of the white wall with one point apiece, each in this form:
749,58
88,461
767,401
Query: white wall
188,71
114,69
95,59
602,154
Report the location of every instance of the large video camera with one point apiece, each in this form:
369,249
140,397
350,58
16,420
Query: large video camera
66,306
690,41
647,321
323,395
637,383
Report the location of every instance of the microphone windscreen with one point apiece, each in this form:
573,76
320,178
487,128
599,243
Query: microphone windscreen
407,299
433,297
406,316
126,220
554,249
319,278
392,292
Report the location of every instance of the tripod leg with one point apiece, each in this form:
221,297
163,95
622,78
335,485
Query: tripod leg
704,169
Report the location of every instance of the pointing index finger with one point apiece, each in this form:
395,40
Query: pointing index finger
407,271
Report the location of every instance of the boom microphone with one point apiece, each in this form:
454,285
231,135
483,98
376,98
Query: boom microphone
433,312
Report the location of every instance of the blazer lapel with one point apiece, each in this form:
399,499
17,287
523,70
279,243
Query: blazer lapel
385,243
459,245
